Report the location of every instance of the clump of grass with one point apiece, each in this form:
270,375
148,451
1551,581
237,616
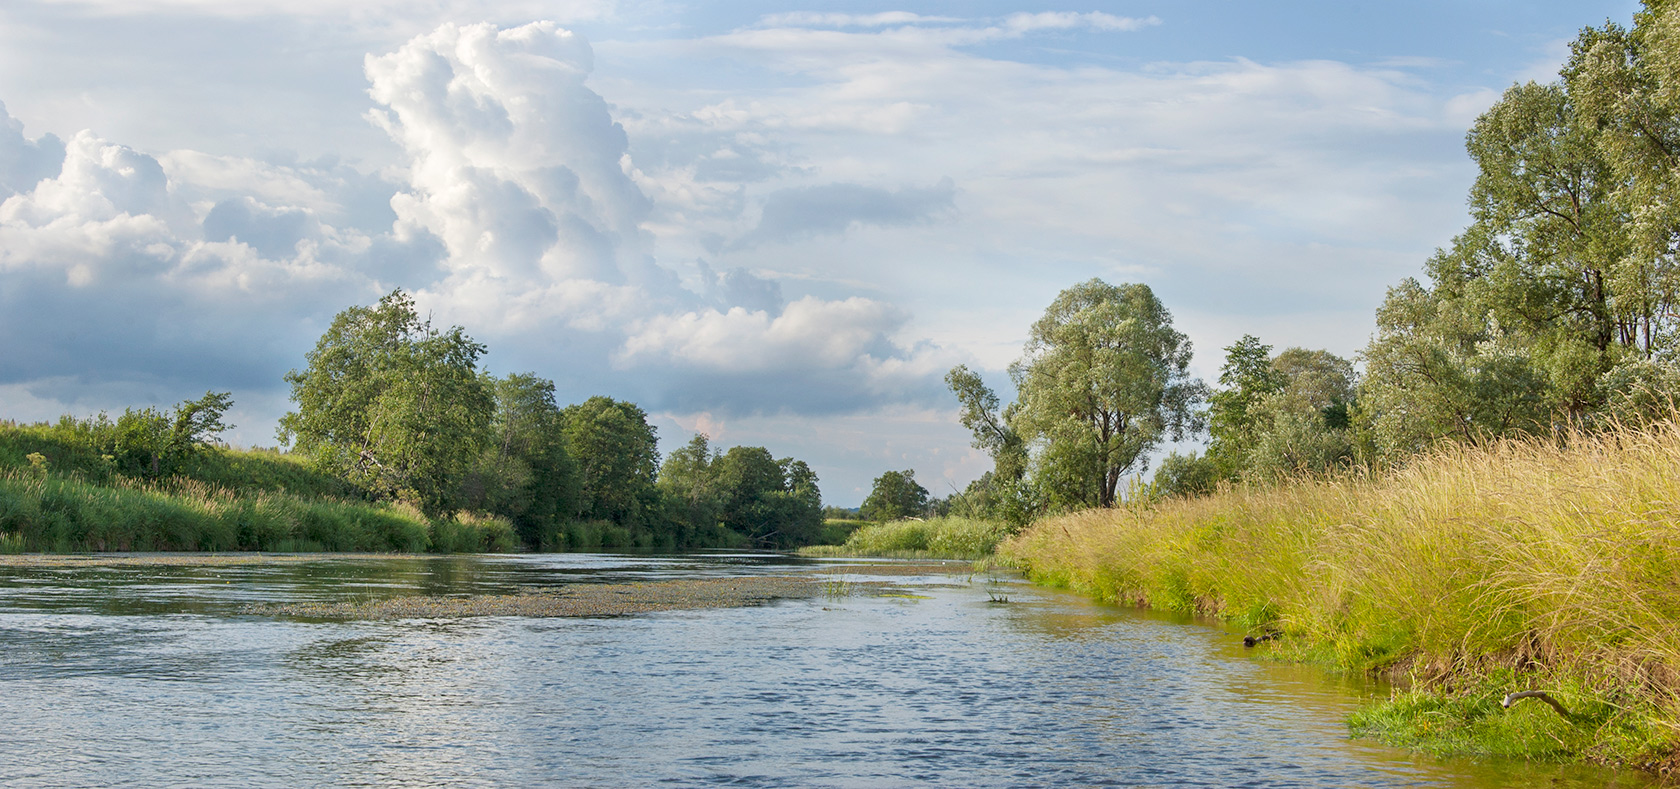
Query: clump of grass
1532,563
64,514
943,538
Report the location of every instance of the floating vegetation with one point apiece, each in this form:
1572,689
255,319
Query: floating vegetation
582,600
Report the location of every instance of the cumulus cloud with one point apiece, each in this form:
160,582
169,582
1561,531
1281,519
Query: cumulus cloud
25,162
521,171
108,280
517,213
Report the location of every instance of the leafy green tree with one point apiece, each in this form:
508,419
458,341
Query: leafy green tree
1003,492
1246,377
526,473
617,453
153,443
1185,475
1624,85
1534,303
1304,426
690,491
392,404
1104,378
895,495
773,503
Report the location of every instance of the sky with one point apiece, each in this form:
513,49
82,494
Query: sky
776,224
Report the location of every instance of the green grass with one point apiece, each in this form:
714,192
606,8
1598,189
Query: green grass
944,538
1471,573
66,499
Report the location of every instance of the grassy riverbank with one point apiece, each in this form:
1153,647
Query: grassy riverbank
56,496
1472,573
934,538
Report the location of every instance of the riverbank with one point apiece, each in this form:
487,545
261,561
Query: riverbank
57,496
933,538
1470,574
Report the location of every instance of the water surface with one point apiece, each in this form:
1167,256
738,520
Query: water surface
145,675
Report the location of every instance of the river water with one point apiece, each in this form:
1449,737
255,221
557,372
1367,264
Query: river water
150,675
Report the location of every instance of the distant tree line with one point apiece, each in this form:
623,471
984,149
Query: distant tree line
400,409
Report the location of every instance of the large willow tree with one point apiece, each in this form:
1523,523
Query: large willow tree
1103,379
1559,301
392,404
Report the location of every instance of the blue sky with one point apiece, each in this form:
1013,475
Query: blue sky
775,224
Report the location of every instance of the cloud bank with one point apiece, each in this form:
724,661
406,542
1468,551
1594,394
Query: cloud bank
514,214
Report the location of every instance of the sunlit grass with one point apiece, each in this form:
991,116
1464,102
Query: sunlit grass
1555,562
942,538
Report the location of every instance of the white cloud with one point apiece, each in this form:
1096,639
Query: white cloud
883,19
809,333
516,214
1068,20
565,10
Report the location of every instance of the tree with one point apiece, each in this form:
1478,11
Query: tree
151,443
1536,301
689,489
617,453
392,404
1246,377
1104,378
895,495
1625,86
1184,475
1001,493
773,503
526,474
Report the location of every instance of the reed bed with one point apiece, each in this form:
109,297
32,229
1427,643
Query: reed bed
943,538
53,513
1472,572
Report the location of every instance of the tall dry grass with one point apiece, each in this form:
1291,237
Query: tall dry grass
1540,559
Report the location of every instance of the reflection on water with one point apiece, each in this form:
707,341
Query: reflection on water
147,676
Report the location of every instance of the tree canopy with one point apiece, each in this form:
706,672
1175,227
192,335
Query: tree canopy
1557,305
618,458
1104,378
895,495
392,403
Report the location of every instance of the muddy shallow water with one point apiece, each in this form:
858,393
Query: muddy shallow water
242,672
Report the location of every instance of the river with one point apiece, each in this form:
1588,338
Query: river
157,674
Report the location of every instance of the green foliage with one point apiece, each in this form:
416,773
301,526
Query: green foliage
1560,303
392,404
617,453
1247,376
1468,718
1004,492
895,495
62,514
1274,417
1185,475
744,492
1104,378
148,442
527,474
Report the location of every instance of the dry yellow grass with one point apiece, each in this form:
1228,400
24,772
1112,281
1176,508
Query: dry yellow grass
1543,560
